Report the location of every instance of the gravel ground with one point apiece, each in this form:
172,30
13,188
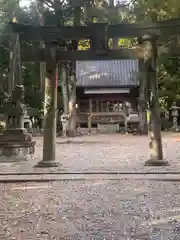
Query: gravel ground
90,210
103,153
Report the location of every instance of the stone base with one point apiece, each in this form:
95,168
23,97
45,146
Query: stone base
16,145
16,135
47,164
108,128
10,159
175,129
155,162
16,152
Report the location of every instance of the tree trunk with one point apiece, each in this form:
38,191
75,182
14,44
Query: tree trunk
142,99
12,62
49,140
43,83
155,144
72,89
116,39
72,106
65,97
42,89
65,90
18,70
88,12
14,38
59,21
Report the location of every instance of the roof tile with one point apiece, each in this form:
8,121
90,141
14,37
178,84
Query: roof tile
107,73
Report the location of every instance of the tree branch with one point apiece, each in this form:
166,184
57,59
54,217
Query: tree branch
50,4
62,2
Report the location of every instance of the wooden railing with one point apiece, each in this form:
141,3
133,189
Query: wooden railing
82,117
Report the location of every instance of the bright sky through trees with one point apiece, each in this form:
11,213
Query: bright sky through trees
25,3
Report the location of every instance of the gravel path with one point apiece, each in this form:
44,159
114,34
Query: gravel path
90,210
102,153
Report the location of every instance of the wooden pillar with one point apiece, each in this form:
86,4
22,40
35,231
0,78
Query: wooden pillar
107,106
49,140
97,105
102,106
90,116
155,143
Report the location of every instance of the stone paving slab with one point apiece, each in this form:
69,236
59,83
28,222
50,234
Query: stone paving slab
103,153
90,210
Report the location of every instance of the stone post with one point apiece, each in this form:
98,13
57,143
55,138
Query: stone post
155,143
49,140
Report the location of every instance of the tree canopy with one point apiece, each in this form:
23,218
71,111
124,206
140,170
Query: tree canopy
97,11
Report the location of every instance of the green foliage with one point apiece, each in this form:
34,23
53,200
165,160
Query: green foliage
168,79
168,69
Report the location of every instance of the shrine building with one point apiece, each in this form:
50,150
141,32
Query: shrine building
103,86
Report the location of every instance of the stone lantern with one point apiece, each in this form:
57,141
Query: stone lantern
175,115
15,143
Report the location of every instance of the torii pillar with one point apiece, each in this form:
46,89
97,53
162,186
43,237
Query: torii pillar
49,140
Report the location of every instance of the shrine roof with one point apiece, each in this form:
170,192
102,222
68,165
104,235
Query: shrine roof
107,73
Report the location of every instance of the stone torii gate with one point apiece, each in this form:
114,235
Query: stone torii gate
99,34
